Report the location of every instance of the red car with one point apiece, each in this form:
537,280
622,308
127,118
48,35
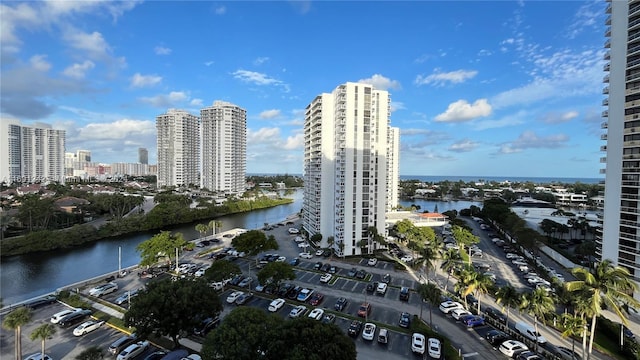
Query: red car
316,299
364,310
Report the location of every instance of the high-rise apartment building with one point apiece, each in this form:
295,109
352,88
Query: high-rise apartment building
143,156
178,148
350,158
619,240
224,147
31,153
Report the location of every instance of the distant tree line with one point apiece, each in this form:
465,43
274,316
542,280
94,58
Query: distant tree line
290,181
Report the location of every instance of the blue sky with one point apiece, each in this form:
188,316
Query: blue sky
479,88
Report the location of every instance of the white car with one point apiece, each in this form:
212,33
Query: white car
294,231
417,343
234,296
316,313
133,350
326,278
459,313
407,258
448,306
201,271
382,288
372,262
303,245
38,356
319,252
435,348
305,255
509,347
103,289
511,256
59,315
452,246
369,331
124,298
281,259
298,239
276,305
87,327
297,311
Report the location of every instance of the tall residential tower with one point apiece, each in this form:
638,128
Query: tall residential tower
350,163
178,148
224,147
620,237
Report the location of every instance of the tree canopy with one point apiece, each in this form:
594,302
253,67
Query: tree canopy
162,244
221,270
254,242
167,308
250,333
277,272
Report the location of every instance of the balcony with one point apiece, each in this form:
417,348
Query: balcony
603,137
603,171
607,32
608,10
605,114
633,24
603,148
604,125
603,160
605,102
606,67
605,79
632,90
608,21
607,44
607,55
605,90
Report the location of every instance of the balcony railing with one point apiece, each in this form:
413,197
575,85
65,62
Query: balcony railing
607,44
605,90
605,102
606,67
603,137
603,148
607,32
604,125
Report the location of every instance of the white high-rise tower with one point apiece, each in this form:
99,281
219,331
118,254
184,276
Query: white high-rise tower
178,148
350,161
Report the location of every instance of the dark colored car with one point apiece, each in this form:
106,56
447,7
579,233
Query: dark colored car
386,278
473,320
333,269
317,265
316,299
293,294
405,320
355,328
236,280
361,274
294,261
326,253
156,355
496,315
74,318
39,302
372,286
472,301
404,293
352,272
244,298
284,289
496,337
325,268
341,303
117,346
206,326
328,318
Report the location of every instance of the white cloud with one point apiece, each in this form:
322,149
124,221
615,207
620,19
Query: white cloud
464,145
484,52
440,79
195,102
556,118
257,78
78,71
530,140
461,110
381,83
138,80
294,142
396,105
40,63
161,50
172,99
220,10
93,43
588,16
270,114
120,129
260,61
208,63
518,118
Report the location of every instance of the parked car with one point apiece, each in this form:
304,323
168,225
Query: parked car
74,318
39,302
294,261
325,278
386,278
234,296
117,346
496,315
448,306
512,347
354,328
133,350
103,289
528,355
361,274
87,327
38,356
304,295
305,255
341,303
352,272
372,286
530,333
405,320
297,311
566,353
404,293
369,331
276,305
382,289
124,298
244,298
206,326
372,262
328,318
316,299
435,348
59,315
364,309
473,320
383,336
245,282
495,337
459,313
316,314
418,343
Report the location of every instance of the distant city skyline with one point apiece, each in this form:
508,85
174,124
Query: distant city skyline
516,91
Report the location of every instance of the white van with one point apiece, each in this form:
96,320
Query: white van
529,332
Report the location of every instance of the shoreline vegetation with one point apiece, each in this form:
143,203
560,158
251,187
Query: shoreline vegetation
169,212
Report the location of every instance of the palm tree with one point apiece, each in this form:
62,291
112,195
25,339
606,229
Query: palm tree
581,307
214,225
608,284
430,293
450,259
571,326
508,297
202,228
43,332
537,303
479,284
14,321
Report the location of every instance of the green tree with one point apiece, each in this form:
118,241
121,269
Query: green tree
167,308
431,293
609,285
276,272
508,297
572,326
316,238
36,212
42,333
479,284
162,244
330,242
538,304
214,225
244,334
202,229
14,321
221,270
91,353
254,242
309,339
450,259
